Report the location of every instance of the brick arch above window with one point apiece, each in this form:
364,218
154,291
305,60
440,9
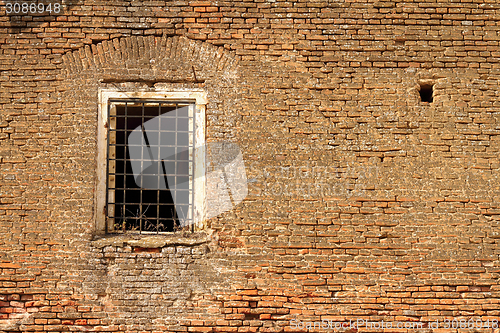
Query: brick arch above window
166,66
152,58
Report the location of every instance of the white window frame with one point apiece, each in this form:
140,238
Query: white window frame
196,96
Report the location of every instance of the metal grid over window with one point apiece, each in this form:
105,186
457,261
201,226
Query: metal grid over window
150,166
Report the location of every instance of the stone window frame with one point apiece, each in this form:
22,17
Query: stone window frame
192,95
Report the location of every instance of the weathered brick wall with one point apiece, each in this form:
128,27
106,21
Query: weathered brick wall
364,202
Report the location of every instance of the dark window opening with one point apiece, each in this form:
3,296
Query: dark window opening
149,166
426,91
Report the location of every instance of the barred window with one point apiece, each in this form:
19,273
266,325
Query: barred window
150,163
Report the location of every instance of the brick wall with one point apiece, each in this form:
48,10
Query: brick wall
364,202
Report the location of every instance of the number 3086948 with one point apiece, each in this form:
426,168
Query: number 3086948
32,8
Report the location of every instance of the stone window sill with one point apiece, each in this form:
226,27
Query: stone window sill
151,241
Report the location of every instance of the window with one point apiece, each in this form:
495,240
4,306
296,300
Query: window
148,168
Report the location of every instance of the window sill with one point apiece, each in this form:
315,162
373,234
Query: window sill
151,241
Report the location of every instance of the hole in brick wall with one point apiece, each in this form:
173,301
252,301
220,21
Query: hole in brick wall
251,316
426,91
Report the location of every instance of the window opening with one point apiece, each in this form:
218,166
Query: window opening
150,166
426,91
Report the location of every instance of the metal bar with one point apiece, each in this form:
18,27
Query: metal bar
158,178
124,207
142,166
191,171
107,171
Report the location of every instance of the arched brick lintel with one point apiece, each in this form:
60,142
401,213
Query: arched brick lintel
152,58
